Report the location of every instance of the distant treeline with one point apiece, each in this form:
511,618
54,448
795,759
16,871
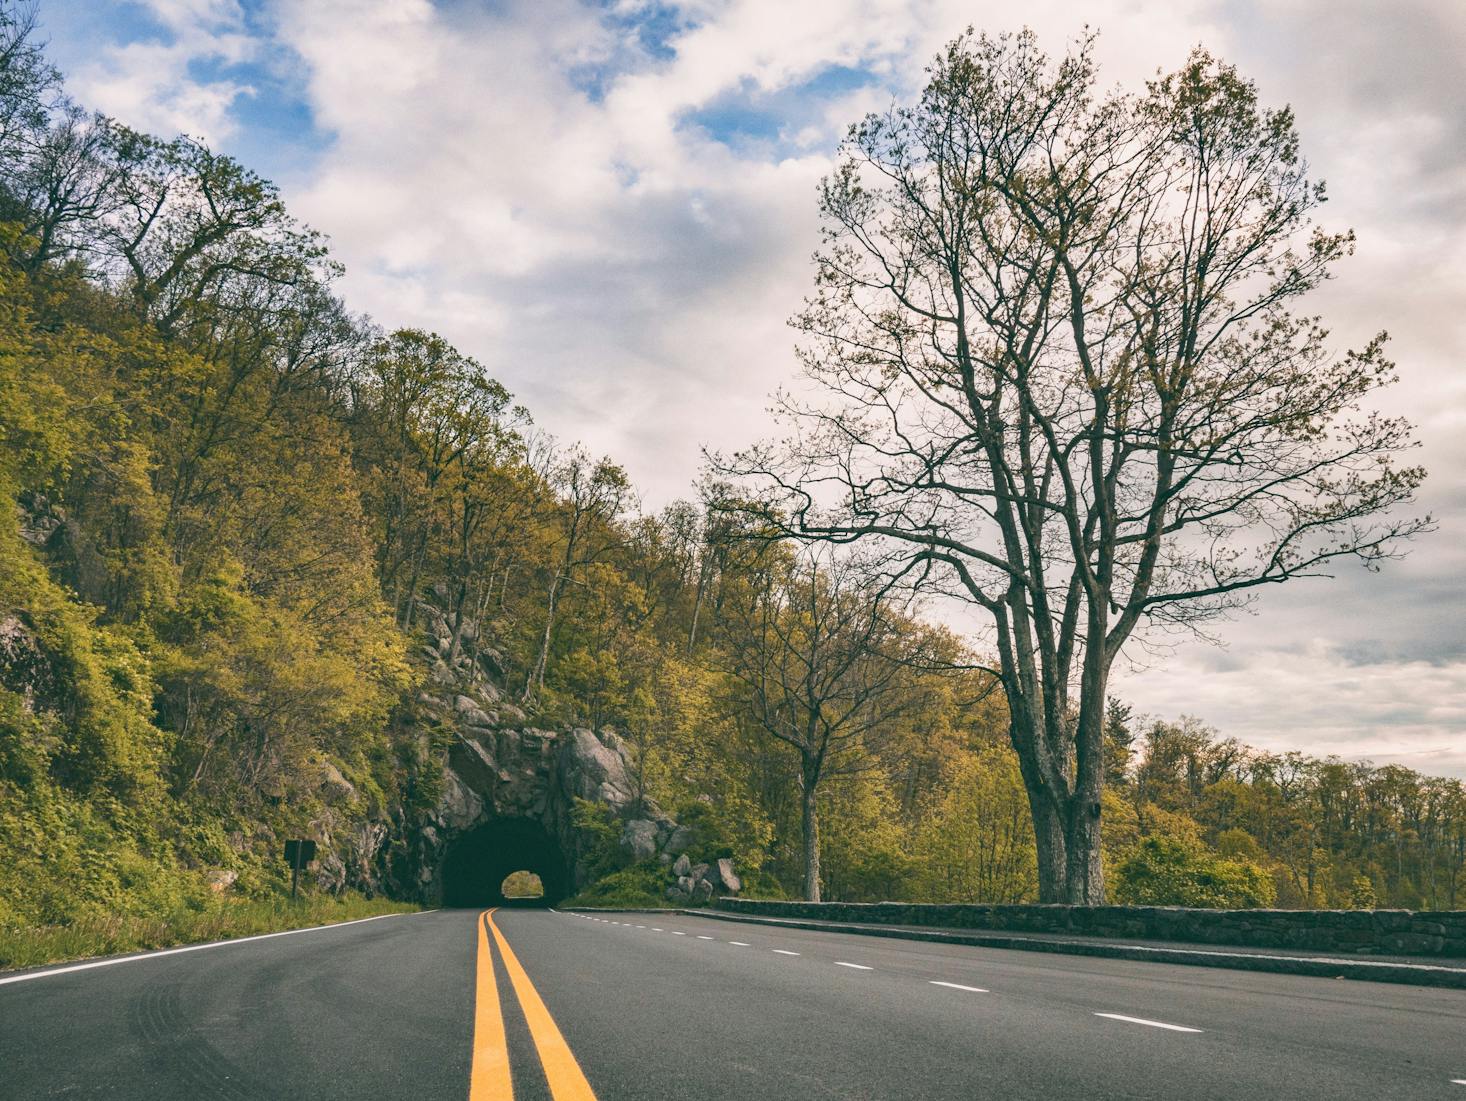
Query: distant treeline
233,498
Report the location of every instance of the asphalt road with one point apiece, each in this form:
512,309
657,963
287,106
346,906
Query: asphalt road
622,1006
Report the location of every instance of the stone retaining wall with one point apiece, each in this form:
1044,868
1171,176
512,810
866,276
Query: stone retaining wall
1387,932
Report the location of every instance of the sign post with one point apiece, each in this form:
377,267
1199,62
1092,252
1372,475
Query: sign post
298,853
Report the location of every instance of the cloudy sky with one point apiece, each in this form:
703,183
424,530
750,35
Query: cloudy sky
612,206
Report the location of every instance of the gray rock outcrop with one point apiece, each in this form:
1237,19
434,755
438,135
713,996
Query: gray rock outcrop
499,767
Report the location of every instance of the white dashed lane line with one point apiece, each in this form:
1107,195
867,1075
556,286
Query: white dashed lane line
932,982
1148,1024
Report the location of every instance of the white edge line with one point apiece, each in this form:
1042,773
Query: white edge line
854,966
194,948
959,986
1143,1021
785,952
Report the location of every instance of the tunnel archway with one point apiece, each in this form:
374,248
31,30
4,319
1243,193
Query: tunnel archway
477,863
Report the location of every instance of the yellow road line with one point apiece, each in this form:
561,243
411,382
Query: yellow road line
489,1079
562,1072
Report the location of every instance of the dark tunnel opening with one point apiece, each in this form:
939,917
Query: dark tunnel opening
477,863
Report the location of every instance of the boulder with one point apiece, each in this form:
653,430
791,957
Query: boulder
678,840
334,786
702,891
594,771
699,871
491,660
683,866
220,879
639,837
728,876
470,713
459,807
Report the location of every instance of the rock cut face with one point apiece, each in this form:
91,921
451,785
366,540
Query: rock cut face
509,790
507,804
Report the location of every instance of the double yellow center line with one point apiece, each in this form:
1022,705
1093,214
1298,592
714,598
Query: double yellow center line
489,1078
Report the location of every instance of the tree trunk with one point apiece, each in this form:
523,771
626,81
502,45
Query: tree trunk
1049,834
811,844
456,635
702,585
1085,874
536,681
1050,840
411,611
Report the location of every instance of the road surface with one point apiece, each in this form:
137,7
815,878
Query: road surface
535,1004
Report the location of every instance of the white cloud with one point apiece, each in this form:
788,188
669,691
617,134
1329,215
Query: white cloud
149,84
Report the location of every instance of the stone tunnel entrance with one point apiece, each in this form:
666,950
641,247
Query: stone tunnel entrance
477,863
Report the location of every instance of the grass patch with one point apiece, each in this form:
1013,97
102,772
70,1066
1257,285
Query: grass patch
105,935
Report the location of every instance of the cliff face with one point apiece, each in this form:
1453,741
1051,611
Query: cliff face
507,791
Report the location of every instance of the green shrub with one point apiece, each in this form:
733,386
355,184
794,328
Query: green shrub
600,834
1164,871
761,884
640,886
879,875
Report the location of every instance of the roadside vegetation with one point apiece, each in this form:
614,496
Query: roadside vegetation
228,499
198,922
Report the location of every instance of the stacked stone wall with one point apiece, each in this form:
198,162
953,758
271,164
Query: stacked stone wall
1384,932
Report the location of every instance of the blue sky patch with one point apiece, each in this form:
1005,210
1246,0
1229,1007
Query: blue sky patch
748,116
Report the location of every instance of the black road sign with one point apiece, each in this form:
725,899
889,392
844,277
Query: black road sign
298,853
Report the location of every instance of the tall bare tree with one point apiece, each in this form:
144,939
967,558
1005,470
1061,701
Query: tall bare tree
1062,370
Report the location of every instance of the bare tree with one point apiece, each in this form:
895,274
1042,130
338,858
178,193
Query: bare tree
1062,370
